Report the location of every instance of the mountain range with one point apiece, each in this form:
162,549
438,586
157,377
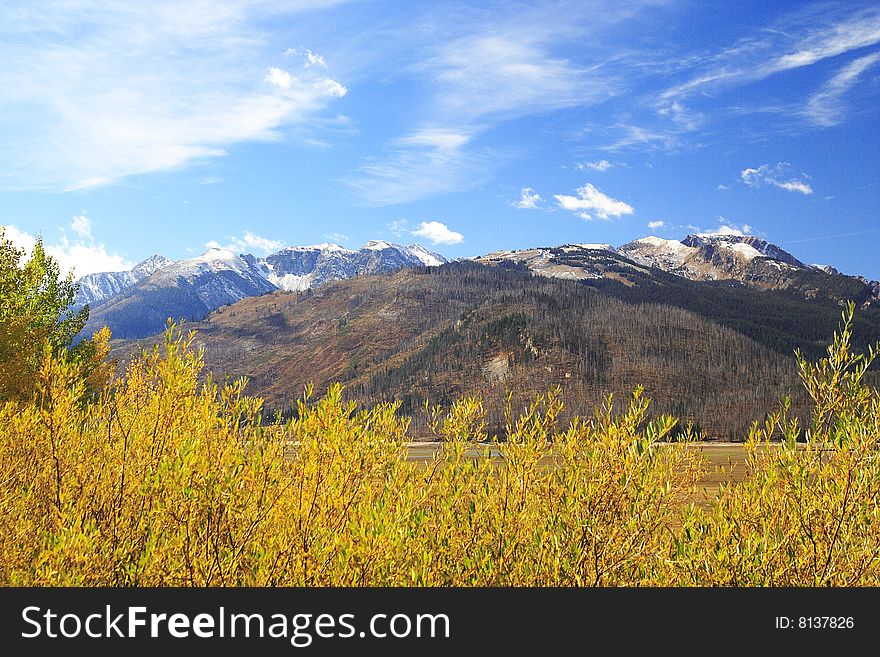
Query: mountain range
707,325
742,259
137,303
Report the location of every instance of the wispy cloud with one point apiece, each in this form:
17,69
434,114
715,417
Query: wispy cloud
438,233
337,237
790,46
590,200
686,119
629,136
96,90
397,227
437,138
826,107
425,163
507,72
489,71
654,225
858,31
528,200
600,166
779,176
248,243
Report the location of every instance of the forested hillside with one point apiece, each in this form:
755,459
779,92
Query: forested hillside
439,333
800,315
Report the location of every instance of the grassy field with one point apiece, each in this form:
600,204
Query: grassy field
725,462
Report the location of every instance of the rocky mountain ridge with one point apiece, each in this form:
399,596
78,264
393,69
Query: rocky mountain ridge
137,303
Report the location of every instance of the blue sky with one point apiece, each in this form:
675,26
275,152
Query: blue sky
130,128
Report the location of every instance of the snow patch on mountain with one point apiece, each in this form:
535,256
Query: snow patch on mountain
292,282
745,250
426,257
591,247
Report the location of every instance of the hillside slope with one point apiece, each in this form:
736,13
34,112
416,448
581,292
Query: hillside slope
439,333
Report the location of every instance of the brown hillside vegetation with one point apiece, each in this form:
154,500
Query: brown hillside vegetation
443,333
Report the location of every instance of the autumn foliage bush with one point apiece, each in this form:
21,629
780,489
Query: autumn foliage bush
808,514
166,478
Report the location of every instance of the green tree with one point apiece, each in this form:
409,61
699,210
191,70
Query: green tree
36,318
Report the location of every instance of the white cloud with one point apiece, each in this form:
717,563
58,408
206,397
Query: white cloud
314,59
728,229
280,78
83,259
97,90
600,166
438,233
591,200
247,243
779,176
82,256
654,225
19,238
722,187
82,226
528,200
825,107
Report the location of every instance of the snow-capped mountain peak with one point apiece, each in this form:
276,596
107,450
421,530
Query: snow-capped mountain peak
764,248
216,255
192,288
95,288
325,246
149,266
745,259
427,258
213,260
301,268
662,243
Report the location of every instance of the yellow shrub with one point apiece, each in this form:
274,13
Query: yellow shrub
809,513
168,479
